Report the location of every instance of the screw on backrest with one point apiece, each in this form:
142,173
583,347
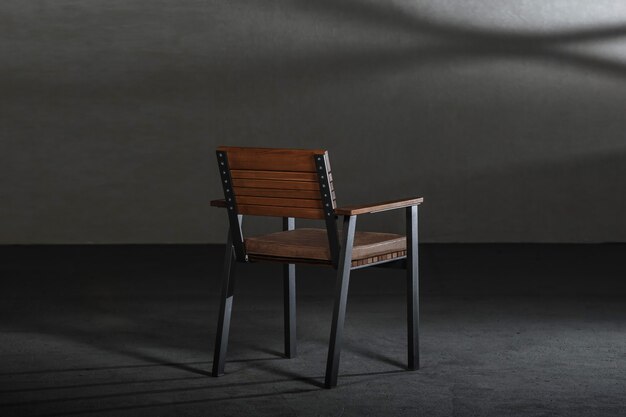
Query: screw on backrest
328,202
233,215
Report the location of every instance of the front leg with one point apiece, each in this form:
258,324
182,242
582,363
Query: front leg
412,280
341,298
289,299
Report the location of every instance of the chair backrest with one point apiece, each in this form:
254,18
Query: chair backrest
277,182
280,183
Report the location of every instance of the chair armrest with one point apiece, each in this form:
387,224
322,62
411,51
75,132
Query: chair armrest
218,203
377,207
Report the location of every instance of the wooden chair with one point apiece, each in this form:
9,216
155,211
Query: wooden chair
293,183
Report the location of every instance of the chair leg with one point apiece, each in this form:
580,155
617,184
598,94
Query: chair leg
341,297
412,276
289,301
226,304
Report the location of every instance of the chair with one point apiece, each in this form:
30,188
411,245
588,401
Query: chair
294,183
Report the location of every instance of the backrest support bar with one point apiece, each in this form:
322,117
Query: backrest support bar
327,193
234,218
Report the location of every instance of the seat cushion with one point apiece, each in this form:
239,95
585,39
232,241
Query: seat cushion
313,244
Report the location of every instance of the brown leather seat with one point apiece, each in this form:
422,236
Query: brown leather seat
312,244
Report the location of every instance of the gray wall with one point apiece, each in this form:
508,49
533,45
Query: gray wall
508,116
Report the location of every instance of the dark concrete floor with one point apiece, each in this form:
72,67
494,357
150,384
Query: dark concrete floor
511,330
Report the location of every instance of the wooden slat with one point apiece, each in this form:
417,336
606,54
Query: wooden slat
281,185
268,159
271,192
273,175
378,259
276,182
377,207
360,263
303,213
281,202
265,258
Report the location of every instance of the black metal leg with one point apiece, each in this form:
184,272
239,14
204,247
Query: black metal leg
226,304
341,297
289,300
412,275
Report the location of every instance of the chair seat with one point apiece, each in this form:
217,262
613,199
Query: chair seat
312,244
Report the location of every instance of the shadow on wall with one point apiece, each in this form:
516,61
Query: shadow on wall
433,43
504,131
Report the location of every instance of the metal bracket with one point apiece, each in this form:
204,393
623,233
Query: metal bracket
323,177
231,207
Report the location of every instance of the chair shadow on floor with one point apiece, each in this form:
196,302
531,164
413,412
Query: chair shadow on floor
69,398
316,380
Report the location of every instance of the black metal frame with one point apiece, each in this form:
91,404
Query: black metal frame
289,299
236,252
326,193
226,306
341,254
341,298
233,216
411,263
412,288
